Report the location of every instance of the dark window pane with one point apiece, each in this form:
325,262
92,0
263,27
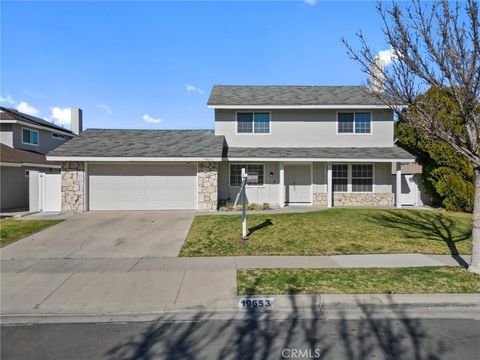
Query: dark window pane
26,136
362,178
255,169
262,123
340,177
244,122
362,123
345,123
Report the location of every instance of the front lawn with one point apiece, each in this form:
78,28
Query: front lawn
330,232
13,230
421,280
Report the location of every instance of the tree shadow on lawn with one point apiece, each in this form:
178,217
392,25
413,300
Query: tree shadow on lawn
425,225
265,334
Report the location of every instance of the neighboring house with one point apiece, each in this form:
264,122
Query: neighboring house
24,142
313,145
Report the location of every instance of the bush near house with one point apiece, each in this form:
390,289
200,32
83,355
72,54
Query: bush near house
448,176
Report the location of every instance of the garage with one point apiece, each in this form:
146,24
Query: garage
142,186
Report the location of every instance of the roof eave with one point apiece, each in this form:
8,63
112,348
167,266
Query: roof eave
130,159
267,106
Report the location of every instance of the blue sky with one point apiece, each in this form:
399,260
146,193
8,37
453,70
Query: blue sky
152,64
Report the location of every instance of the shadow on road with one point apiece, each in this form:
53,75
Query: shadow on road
261,336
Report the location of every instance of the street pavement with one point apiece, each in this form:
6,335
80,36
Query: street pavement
255,336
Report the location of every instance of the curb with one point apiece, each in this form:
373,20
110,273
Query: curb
359,306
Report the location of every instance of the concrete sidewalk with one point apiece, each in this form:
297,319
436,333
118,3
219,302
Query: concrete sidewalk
149,285
72,265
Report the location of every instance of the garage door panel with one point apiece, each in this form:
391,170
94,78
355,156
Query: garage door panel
142,186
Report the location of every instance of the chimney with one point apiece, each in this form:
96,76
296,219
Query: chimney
76,120
377,75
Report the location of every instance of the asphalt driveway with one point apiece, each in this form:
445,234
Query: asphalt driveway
107,234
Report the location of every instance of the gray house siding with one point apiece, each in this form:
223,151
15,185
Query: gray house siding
6,134
306,128
46,142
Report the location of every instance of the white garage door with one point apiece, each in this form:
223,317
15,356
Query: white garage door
142,187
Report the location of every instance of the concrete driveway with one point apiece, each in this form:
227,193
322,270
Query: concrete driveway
107,234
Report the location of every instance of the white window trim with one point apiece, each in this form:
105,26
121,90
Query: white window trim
57,136
246,163
253,122
355,133
31,130
349,179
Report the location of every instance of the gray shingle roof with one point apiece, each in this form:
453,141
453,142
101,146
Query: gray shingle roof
291,95
143,143
367,153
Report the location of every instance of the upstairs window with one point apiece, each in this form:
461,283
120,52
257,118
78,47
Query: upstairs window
58,136
256,170
354,123
253,123
30,136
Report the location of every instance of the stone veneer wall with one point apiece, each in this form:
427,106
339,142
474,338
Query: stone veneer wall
320,199
73,180
207,185
363,199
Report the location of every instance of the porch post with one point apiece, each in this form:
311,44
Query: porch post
281,184
329,186
398,187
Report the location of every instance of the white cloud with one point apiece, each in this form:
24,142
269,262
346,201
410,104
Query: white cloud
8,99
193,88
26,108
310,2
387,56
105,108
150,119
63,115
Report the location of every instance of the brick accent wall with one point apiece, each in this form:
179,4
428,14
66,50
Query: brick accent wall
207,185
73,180
320,199
363,199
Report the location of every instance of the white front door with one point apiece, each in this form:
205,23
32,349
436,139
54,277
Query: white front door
298,184
409,189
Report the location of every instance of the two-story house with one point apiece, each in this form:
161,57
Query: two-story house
312,145
24,141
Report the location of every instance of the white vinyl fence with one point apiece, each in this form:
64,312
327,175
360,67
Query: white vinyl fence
45,192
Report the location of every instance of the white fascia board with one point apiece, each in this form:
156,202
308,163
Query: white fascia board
35,126
29,165
129,159
355,160
253,107
10,164
55,166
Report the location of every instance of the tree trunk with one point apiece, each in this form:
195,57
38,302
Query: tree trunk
475,264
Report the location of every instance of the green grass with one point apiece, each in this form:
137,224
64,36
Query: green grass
13,230
421,280
330,232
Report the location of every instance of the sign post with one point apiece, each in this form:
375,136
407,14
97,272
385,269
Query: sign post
244,204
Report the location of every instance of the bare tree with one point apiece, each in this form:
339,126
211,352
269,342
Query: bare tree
435,45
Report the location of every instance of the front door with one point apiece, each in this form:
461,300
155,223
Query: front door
298,184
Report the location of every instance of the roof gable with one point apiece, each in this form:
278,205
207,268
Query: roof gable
12,114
